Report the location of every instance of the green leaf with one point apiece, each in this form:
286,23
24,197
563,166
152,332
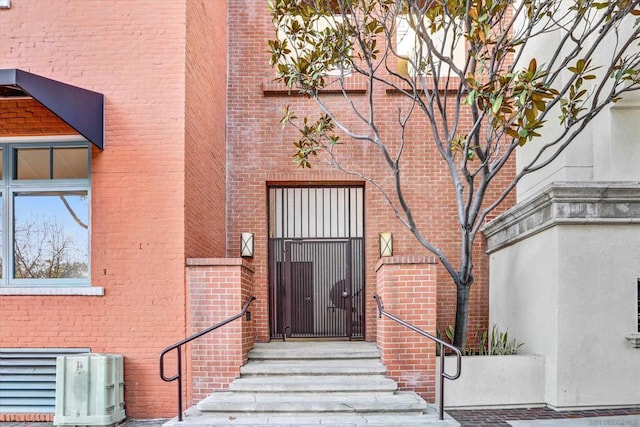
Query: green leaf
471,98
495,107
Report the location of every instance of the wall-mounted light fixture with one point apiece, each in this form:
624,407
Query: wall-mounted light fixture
5,4
246,244
386,244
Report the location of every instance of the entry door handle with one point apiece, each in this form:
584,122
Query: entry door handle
345,294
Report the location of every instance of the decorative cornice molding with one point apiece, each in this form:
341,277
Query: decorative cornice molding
633,340
566,203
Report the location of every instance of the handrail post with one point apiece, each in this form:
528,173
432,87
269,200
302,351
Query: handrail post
178,347
441,391
441,343
179,350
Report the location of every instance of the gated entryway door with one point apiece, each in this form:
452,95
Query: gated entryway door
316,262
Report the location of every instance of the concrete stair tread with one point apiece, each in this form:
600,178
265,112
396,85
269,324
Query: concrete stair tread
320,367
314,350
302,383
408,402
198,419
310,384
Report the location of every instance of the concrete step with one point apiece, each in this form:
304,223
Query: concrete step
195,418
310,384
319,367
307,383
265,404
323,350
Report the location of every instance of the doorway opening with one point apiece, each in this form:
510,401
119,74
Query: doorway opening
316,262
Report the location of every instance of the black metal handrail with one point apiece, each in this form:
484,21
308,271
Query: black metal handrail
443,374
177,346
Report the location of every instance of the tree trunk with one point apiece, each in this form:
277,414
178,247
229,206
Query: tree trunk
462,314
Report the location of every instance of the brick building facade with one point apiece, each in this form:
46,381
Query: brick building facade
192,151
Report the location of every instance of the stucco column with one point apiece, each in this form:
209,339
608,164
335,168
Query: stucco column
217,290
407,286
565,267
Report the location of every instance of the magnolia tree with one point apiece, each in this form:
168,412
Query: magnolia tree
512,70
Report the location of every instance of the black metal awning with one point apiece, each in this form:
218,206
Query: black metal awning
81,109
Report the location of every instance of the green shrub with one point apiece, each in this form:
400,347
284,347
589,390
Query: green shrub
495,343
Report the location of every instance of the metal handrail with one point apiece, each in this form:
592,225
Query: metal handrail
177,346
443,374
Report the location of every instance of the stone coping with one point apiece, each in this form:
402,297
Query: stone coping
220,262
97,291
634,340
566,203
406,259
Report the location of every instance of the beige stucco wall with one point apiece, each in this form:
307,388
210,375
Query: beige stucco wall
523,298
598,270
571,295
608,149
470,389
565,262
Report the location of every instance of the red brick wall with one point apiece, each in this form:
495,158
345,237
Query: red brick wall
25,116
260,152
27,417
133,53
205,154
218,289
408,289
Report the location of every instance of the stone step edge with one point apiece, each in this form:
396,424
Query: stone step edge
267,397
406,402
315,370
195,418
309,356
301,384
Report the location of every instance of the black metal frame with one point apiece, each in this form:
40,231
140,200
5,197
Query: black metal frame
299,215
342,292
80,108
443,374
177,346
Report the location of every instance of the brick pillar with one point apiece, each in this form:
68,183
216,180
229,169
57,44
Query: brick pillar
218,288
407,286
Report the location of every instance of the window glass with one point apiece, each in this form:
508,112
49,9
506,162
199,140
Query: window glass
1,238
413,52
1,161
70,163
51,235
32,163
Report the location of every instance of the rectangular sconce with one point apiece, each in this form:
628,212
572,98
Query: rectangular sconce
246,244
5,4
386,244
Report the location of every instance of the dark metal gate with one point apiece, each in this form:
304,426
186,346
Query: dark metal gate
316,260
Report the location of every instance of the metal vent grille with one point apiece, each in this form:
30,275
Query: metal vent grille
28,378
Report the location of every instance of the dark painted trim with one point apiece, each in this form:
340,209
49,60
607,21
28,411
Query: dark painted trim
80,108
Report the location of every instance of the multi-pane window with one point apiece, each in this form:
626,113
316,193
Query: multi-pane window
44,234
414,57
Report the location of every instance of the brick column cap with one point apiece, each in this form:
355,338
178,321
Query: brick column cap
406,259
220,262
